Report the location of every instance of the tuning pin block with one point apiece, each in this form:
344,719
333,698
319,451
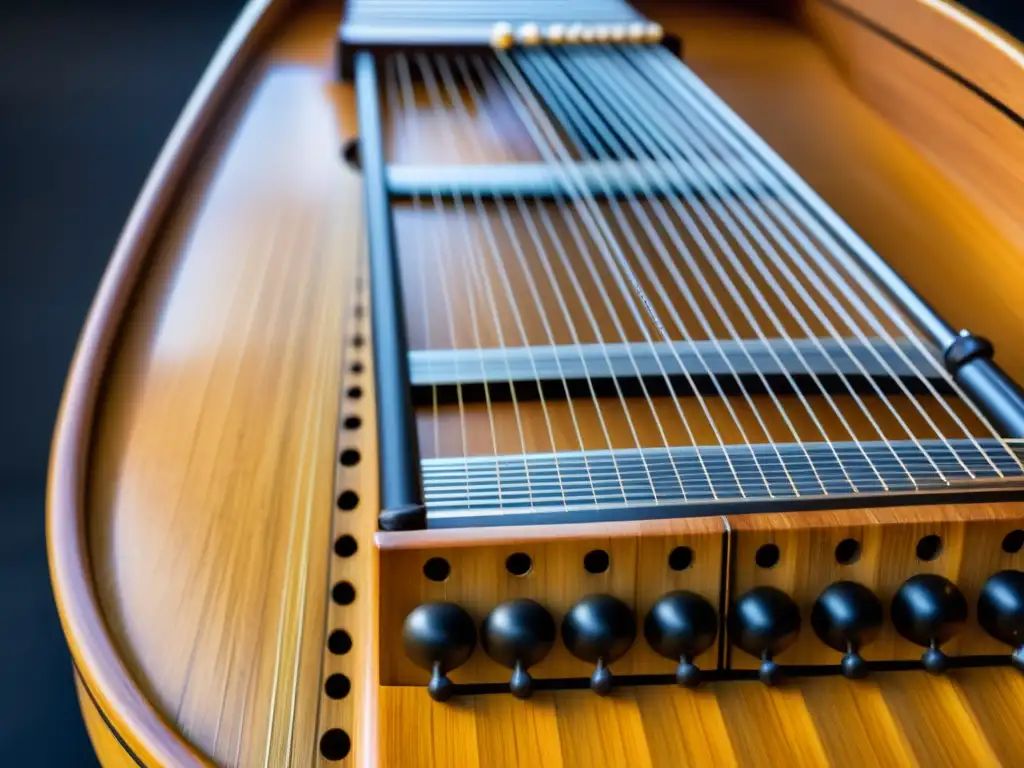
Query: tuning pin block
846,617
764,622
599,629
928,610
1001,612
518,634
439,637
681,626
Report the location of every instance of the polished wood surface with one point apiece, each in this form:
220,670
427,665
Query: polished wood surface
193,480
218,419
898,719
97,655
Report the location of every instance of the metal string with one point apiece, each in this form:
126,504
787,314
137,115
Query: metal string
702,159
608,244
629,108
408,106
476,98
567,105
722,273
454,95
810,209
470,257
530,123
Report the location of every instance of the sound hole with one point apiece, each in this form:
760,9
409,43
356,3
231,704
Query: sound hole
339,643
335,744
337,686
680,558
343,593
518,563
437,569
847,551
1013,542
767,556
596,561
348,501
929,547
353,422
345,546
349,457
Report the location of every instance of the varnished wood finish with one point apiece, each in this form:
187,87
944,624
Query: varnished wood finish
97,655
218,418
638,575
191,488
903,718
971,534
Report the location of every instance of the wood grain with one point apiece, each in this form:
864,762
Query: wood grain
195,460
904,718
96,654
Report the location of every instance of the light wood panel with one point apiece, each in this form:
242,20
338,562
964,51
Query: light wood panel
971,536
212,469
638,575
96,655
903,718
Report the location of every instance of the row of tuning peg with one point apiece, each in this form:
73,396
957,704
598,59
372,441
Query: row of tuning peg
927,609
504,35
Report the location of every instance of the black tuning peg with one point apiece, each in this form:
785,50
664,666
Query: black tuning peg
439,637
764,622
928,610
1001,611
847,616
681,626
518,634
599,629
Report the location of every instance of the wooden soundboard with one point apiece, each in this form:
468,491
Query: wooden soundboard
223,608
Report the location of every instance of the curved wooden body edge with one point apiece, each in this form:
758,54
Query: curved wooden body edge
964,45
133,720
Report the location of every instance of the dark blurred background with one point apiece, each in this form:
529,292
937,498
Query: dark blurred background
88,91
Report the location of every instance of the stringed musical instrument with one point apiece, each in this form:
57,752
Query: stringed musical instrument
561,384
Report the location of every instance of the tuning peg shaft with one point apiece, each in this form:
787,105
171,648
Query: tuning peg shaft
599,629
439,637
518,634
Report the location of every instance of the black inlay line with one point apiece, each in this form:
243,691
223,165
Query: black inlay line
928,59
106,720
727,675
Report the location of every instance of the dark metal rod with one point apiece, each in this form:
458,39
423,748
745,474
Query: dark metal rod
401,492
681,361
527,180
